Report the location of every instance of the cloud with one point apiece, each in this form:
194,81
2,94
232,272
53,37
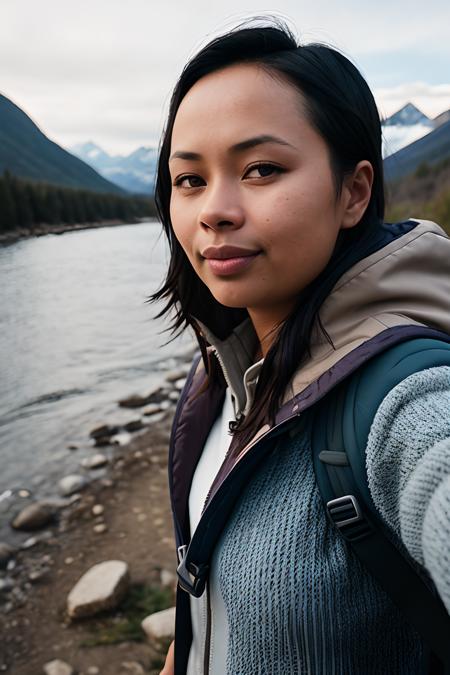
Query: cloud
104,69
431,99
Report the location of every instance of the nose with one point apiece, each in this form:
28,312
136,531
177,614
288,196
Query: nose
221,208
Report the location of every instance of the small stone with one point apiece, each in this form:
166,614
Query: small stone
103,430
160,625
69,560
152,409
6,553
58,667
131,668
100,528
34,516
72,447
37,575
70,484
102,587
134,425
158,522
30,542
23,494
98,509
168,578
93,670
138,454
141,517
179,384
94,462
174,396
6,585
175,375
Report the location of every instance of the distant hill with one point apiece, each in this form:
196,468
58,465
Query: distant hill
26,152
135,172
431,149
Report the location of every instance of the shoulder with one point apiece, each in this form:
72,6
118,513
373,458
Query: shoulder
409,427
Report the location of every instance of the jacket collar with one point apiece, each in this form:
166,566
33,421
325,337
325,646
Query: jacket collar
404,283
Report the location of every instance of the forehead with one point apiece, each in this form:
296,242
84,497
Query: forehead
240,100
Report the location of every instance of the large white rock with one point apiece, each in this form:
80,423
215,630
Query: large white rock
102,587
160,625
58,667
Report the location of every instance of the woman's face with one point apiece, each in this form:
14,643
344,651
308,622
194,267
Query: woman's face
253,199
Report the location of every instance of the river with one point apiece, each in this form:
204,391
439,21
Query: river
76,336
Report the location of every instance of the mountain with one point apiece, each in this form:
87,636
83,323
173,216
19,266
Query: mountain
407,116
26,152
440,119
431,149
403,127
134,172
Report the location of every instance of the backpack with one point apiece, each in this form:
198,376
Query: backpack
339,434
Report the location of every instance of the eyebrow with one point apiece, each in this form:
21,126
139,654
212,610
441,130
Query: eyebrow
237,148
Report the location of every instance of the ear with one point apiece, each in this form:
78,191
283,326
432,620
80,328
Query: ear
356,192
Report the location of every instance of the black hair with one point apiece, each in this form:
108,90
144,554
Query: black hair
341,107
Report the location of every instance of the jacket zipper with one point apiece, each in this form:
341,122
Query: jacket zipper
208,631
207,654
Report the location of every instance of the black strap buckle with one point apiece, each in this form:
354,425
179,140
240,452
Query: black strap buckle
191,577
347,515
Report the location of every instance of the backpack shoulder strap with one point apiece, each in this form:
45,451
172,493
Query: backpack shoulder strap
339,435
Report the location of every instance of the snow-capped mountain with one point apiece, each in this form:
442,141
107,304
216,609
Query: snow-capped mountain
134,172
404,127
408,116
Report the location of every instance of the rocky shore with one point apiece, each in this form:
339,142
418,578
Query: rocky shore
11,236
91,589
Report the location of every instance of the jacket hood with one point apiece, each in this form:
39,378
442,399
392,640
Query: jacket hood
404,283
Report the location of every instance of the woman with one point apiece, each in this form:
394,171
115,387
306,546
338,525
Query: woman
270,190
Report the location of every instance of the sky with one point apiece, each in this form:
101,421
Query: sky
103,70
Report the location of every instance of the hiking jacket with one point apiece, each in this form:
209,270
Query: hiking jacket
399,291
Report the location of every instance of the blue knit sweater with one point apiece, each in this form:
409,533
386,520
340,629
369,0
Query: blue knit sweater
297,599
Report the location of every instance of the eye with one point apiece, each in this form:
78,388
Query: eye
193,181
265,170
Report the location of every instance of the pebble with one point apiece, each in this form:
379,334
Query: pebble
167,578
58,667
24,493
30,542
131,668
93,670
94,462
70,484
6,553
6,585
152,409
100,528
69,560
134,425
141,517
104,430
160,625
98,509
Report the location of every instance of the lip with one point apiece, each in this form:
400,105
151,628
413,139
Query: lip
225,261
228,252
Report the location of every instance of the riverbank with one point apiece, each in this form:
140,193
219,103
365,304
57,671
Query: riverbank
11,236
124,515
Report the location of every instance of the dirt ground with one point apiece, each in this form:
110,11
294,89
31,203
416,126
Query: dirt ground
139,531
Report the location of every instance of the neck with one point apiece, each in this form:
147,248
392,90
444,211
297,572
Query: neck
267,326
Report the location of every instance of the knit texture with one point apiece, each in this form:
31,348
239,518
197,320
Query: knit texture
297,598
408,465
